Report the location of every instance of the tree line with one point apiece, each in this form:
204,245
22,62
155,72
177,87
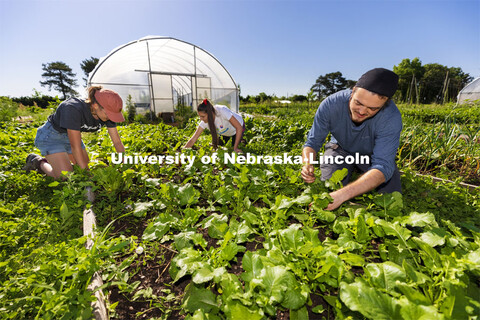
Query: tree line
429,83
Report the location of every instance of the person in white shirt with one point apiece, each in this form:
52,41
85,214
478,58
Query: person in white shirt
222,122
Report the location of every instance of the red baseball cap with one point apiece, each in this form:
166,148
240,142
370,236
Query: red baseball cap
112,103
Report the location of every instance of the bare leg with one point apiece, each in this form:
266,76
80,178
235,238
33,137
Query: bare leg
72,159
57,163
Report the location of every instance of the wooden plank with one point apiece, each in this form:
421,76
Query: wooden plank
470,187
89,225
99,306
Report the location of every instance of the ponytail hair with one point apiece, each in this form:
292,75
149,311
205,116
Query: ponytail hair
91,94
207,107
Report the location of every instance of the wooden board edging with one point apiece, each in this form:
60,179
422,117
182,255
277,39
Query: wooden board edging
89,224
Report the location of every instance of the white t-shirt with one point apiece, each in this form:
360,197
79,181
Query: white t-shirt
222,121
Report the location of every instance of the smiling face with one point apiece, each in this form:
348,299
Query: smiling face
365,104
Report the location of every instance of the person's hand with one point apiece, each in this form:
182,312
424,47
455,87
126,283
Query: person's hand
308,173
337,200
238,150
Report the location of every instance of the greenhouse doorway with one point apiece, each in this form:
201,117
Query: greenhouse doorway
169,91
161,95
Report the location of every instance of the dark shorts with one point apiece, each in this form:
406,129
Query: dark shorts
223,140
327,170
50,141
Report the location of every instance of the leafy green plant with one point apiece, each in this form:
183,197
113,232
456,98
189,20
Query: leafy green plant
234,241
8,109
131,109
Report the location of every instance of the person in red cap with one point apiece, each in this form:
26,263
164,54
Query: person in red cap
59,139
364,123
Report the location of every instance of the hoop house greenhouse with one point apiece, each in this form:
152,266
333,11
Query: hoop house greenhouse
470,92
161,73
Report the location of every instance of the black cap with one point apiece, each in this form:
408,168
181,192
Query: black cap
379,80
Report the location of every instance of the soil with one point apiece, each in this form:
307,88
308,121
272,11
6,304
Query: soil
153,273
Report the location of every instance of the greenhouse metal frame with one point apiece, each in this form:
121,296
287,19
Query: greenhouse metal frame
470,93
163,73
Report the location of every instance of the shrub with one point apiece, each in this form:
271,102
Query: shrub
131,109
42,101
147,118
8,109
183,114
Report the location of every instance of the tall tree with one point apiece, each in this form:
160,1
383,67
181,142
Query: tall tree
458,80
330,83
441,83
59,76
433,81
410,73
87,66
430,83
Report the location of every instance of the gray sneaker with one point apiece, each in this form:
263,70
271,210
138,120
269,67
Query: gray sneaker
33,162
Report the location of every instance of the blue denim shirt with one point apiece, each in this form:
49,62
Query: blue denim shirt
377,137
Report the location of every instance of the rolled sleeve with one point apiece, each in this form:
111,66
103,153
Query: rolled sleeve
320,128
387,140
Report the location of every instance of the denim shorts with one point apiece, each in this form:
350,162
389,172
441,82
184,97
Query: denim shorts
50,141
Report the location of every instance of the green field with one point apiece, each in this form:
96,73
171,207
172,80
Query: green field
240,241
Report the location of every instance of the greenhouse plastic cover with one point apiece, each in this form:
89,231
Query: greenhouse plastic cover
470,92
160,73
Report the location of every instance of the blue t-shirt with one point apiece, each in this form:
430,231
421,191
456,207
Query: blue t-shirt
377,137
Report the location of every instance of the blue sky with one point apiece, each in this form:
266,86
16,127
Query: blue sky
277,47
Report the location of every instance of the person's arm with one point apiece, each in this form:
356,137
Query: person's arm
117,142
315,139
308,170
385,150
238,136
367,182
75,138
194,138
387,140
